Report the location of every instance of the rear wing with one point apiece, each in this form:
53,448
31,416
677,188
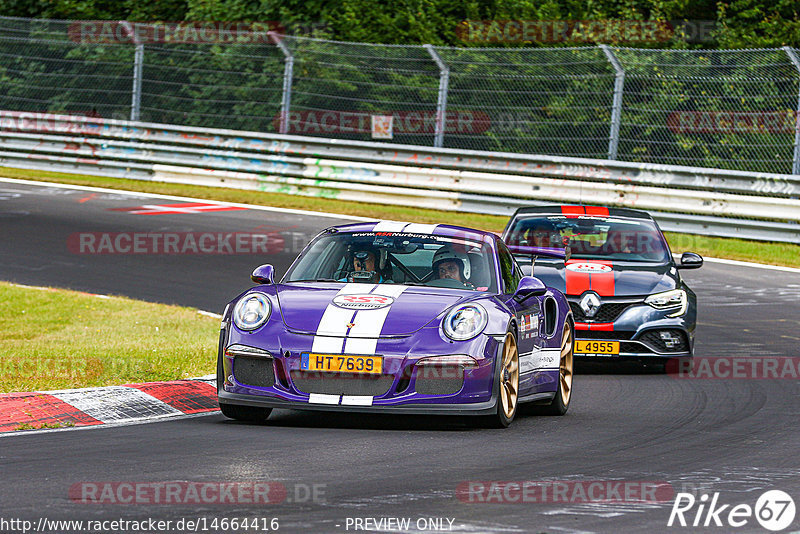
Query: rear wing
540,252
545,252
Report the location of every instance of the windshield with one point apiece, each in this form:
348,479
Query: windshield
397,258
592,237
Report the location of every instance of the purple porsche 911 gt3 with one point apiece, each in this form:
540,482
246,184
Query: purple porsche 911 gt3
394,317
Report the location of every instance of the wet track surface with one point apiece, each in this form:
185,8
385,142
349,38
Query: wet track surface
738,437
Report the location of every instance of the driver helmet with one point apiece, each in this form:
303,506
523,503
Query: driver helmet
381,256
553,237
446,253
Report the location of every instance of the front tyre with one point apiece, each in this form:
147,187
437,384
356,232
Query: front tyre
235,411
508,385
245,413
560,403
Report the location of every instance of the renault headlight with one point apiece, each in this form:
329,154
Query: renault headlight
251,311
465,322
669,300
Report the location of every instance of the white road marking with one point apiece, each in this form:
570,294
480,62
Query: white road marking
753,265
139,194
115,403
131,422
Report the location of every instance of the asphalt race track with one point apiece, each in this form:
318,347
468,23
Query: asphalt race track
735,437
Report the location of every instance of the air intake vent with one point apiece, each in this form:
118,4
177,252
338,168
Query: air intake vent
439,380
671,340
606,313
341,383
257,372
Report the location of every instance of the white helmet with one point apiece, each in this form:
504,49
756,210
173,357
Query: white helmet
448,254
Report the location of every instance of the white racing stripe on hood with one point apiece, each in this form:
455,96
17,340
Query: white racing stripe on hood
363,337
409,228
333,325
389,226
417,228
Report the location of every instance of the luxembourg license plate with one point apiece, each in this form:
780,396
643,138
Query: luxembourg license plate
341,363
601,348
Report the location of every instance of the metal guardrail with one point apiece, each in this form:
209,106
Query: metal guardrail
694,200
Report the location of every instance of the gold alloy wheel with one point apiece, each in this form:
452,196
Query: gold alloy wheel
509,377
565,367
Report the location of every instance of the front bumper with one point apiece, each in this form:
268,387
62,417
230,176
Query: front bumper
643,333
479,408
275,378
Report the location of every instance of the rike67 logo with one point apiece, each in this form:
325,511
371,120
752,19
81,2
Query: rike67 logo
774,510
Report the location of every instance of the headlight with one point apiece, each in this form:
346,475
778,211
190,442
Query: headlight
669,300
465,322
251,311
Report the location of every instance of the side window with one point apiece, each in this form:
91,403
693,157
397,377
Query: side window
509,269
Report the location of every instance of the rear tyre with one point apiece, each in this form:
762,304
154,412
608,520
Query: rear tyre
508,386
560,403
245,413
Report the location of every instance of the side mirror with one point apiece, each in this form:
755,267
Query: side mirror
263,274
690,260
529,286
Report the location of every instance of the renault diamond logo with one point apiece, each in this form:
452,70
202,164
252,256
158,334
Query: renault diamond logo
590,303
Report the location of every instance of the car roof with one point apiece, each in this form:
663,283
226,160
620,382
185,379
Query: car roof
419,228
601,211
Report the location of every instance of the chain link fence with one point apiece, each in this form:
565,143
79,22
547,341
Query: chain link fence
734,109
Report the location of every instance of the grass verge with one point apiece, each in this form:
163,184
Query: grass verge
734,249
59,339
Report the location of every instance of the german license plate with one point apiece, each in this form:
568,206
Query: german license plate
589,346
341,363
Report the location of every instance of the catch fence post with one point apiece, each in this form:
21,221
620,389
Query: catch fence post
288,73
441,102
616,106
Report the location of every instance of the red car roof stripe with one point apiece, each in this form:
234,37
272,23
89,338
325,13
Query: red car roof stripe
597,210
573,210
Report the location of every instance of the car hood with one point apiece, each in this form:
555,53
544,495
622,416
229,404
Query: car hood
606,278
310,308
